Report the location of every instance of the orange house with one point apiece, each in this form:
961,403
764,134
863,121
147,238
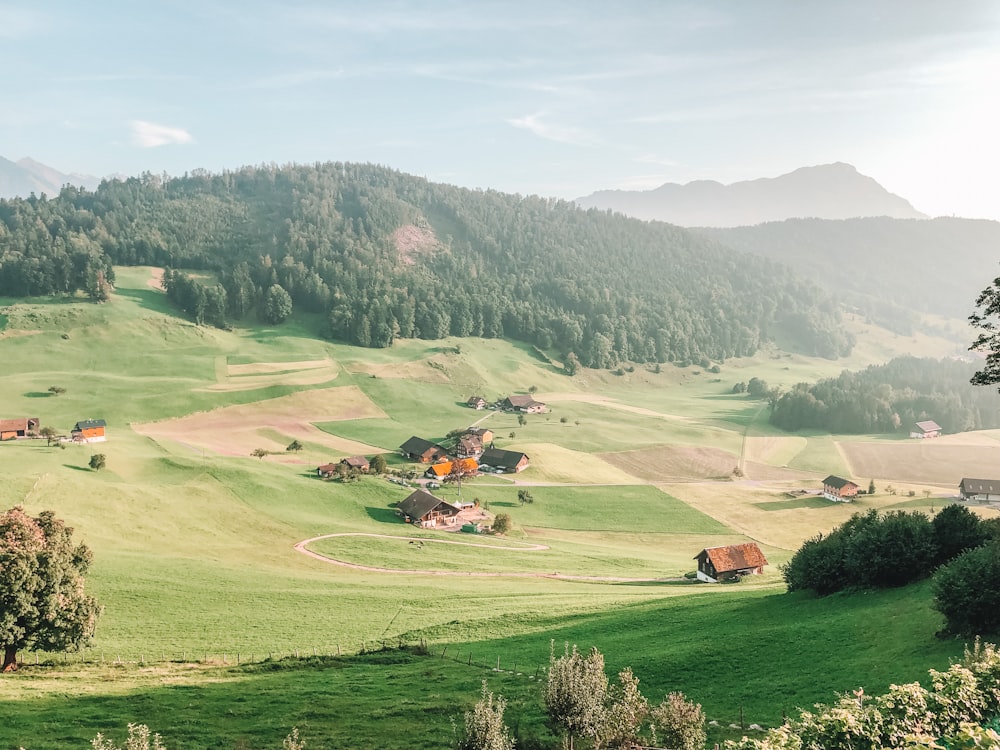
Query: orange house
89,431
11,429
443,469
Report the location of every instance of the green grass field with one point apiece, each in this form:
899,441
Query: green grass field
194,551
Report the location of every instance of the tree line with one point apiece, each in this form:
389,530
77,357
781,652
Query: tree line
603,287
890,397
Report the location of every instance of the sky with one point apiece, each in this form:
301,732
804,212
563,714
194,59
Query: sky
551,98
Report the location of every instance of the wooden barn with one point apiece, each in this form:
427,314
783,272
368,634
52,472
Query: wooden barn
11,429
89,431
839,490
423,509
326,471
980,490
424,451
356,462
727,563
926,429
477,402
509,462
523,404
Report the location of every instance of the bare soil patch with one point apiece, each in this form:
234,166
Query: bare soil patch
256,375
239,430
410,240
941,461
270,368
675,463
593,398
420,370
156,279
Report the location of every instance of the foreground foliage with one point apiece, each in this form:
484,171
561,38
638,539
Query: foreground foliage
42,602
952,713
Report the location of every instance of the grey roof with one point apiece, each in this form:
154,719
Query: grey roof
929,425
418,446
501,458
419,503
520,401
89,424
980,486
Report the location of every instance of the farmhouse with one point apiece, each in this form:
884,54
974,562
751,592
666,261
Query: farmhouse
11,429
424,451
477,402
839,490
726,563
443,469
509,462
423,509
89,431
326,471
469,446
483,433
355,462
926,429
521,403
980,490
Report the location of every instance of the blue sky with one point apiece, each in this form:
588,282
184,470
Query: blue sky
554,98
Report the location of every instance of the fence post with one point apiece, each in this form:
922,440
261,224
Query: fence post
470,658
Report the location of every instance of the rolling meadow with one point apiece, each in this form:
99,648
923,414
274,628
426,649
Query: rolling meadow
218,632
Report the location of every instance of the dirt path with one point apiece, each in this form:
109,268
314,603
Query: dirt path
301,547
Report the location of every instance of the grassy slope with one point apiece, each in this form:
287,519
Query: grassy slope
193,553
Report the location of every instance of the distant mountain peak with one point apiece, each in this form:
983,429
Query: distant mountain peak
21,178
825,191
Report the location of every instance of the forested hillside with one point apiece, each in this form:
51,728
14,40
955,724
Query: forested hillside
383,254
891,397
892,270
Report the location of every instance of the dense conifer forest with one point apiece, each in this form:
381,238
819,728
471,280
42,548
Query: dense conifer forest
381,254
889,398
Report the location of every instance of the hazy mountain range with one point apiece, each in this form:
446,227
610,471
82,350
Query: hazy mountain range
26,176
829,191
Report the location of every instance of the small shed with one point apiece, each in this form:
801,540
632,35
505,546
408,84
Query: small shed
728,563
839,490
326,471
423,509
926,429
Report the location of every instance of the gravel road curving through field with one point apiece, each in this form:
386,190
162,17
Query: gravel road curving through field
303,548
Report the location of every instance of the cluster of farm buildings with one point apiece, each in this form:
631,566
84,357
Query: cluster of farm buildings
22,428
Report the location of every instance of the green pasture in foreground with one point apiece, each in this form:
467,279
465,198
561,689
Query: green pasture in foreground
194,554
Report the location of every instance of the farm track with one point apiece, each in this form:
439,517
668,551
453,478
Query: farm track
302,547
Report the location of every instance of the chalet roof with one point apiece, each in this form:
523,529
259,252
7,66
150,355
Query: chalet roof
928,425
327,468
476,400
981,486
89,424
418,446
357,462
479,432
734,557
471,442
18,424
502,459
520,401
838,482
444,468
419,503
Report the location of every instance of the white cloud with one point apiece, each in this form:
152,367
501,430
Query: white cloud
149,134
559,133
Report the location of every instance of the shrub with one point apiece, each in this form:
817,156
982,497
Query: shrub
678,723
956,529
967,591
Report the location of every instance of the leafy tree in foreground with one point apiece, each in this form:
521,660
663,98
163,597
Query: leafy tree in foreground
678,723
501,524
956,529
295,445
484,725
42,602
986,320
98,461
49,433
575,693
523,496
967,591
378,464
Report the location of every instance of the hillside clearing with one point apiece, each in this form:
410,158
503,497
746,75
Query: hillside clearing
942,461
